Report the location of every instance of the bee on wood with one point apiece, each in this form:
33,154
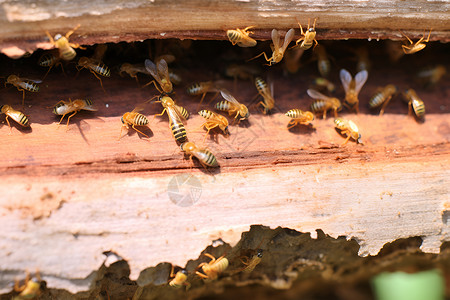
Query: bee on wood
299,117
95,67
415,104
241,37
419,45
204,156
179,278
324,84
133,118
382,97
66,51
348,128
266,93
202,88
16,115
322,103
251,263
323,63
214,120
431,77
232,106
160,73
32,287
49,60
352,87
308,37
176,114
23,84
212,269
278,47
63,108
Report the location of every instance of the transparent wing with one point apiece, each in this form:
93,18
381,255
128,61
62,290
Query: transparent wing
346,79
32,80
316,95
139,107
151,68
275,39
178,110
163,69
360,79
288,38
227,96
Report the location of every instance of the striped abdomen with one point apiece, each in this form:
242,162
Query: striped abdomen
47,60
178,131
234,36
140,120
199,88
224,105
101,69
20,118
295,113
261,85
206,114
377,100
320,106
206,157
67,53
184,113
418,107
324,67
29,86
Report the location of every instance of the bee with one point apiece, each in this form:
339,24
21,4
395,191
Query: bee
352,87
415,104
160,73
99,52
213,268
394,51
23,84
278,47
133,70
382,97
323,103
324,84
430,77
363,59
348,128
266,92
323,63
204,156
133,118
241,37
32,287
299,117
251,263
179,278
231,105
175,77
214,120
202,88
49,60
419,45
176,114
16,115
63,108
308,37
292,59
95,67
66,51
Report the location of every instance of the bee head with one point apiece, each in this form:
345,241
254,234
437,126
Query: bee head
57,37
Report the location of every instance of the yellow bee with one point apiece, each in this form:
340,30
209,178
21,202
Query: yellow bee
202,88
323,103
382,97
32,287
204,156
352,87
160,73
415,104
292,59
23,84
214,120
133,118
348,128
66,51
178,279
176,114
299,117
241,37
95,67
278,47
49,60
324,84
323,63
430,77
63,108
308,37
419,45
231,105
251,263
133,70
16,115
212,269
266,93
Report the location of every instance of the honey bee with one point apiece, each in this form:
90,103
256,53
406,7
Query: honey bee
430,77
63,108
352,87
292,59
299,117
49,60
231,105
213,268
278,47
202,88
95,67
415,104
16,115
382,97
133,70
133,118
241,37
160,73
23,84
419,45
204,156
32,287
266,93
324,84
66,51
214,120
308,37
176,114
251,264
323,103
179,278
348,128
323,63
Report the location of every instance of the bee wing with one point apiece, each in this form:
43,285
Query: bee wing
139,107
360,79
346,79
316,95
288,38
163,69
227,96
178,111
99,52
151,68
32,80
275,39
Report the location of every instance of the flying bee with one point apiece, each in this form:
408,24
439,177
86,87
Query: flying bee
23,84
324,84
16,115
63,108
204,156
363,59
430,77
241,37
231,105
348,128
292,59
214,120
352,87
133,70
179,278
202,88
175,77
278,47
176,114
322,103
95,67
160,73
323,63
32,287
50,60
299,117
212,269
382,97
419,45
266,93
415,104
133,118
308,37
66,51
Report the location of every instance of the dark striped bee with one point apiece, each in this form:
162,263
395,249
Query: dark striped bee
308,37
204,156
176,114
16,115
212,269
382,97
415,104
231,105
323,63
241,37
266,92
321,83
133,118
178,279
95,67
299,117
214,120
66,51
49,60
348,128
352,87
278,47
323,103
23,84
202,88
160,73
63,108
415,47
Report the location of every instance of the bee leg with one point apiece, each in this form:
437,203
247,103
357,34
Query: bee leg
101,83
159,114
213,259
77,46
409,108
171,275
121,128
325,114
406,37
68,119
70,32
51,66
262,53
201,275
61,118
347,139
50,37
293,122
139,131
10,129
154,83
384,105
201,100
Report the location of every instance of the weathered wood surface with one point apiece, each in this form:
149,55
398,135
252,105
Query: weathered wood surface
23,24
